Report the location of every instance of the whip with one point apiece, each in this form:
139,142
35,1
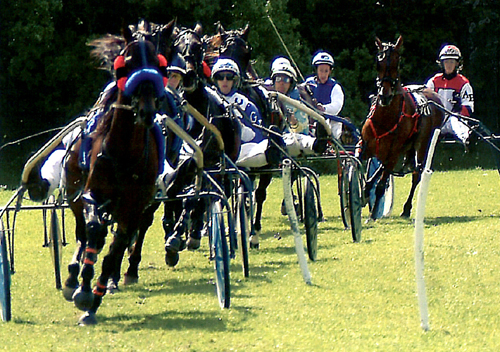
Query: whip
284,46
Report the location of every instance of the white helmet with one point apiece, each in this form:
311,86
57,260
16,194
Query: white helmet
450,52
282,65
323,57
224,64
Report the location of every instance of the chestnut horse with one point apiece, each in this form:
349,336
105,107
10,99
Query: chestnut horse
397,125
124,164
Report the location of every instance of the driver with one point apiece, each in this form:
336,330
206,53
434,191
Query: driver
455,91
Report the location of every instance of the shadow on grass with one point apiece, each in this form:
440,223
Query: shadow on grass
165,320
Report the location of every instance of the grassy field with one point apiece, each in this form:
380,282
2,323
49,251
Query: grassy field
363,296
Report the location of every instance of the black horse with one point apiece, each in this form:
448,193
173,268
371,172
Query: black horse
188,45
234,44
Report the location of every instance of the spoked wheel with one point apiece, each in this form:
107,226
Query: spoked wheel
55,243
344,194
220,253
310,219
5,298
355,201
385,205
243,227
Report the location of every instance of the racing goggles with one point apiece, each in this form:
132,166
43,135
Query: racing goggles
284,79
221,76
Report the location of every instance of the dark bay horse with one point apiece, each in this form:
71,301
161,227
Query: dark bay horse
400,122
234,44
124,164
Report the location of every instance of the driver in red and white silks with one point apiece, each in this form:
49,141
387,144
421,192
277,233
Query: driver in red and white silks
455,91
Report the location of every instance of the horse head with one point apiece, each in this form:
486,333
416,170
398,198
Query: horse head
234,44
388,70
139,76
187,43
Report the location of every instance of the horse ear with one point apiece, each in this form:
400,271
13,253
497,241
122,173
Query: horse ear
245,32
399,42
378,43
127,34
198,29
144,26
219,28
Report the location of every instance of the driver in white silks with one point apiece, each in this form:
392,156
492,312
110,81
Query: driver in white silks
298,138
257,149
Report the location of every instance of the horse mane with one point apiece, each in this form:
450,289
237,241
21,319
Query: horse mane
106,49
212,44
104,124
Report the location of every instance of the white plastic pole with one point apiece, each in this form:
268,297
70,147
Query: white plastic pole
419,234
294,223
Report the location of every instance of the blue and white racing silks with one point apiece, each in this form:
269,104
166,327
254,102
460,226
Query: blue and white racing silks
328,94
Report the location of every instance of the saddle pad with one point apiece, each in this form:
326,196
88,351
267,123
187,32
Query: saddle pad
421,102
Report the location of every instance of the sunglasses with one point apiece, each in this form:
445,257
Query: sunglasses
285,79
221,76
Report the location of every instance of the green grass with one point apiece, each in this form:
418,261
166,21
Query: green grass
363,296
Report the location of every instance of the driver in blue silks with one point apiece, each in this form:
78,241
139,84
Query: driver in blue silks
325,90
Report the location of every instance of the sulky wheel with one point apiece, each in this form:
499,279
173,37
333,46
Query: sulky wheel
5,298
220,253
310,219
355,201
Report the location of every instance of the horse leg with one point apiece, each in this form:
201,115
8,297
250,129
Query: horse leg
197,223
379,193
71,283
96,232
132,274
415,179
115,255
260,197
174,242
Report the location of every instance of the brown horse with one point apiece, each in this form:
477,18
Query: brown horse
397,125
120,183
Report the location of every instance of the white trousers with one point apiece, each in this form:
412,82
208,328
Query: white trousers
456,127
253,154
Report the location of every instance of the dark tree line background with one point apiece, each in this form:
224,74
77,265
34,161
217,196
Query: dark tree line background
47,77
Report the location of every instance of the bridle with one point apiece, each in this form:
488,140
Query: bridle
386,55
191,54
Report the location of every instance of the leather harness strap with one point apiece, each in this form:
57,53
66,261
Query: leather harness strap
378,137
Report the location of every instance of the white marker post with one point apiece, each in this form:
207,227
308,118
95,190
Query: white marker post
419,233
294,223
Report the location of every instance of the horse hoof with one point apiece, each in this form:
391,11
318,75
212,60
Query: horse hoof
254,241
83,299
112,287
130,280
171,258
68,293
89,318
193,243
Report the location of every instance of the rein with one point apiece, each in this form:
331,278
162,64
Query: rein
122,106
